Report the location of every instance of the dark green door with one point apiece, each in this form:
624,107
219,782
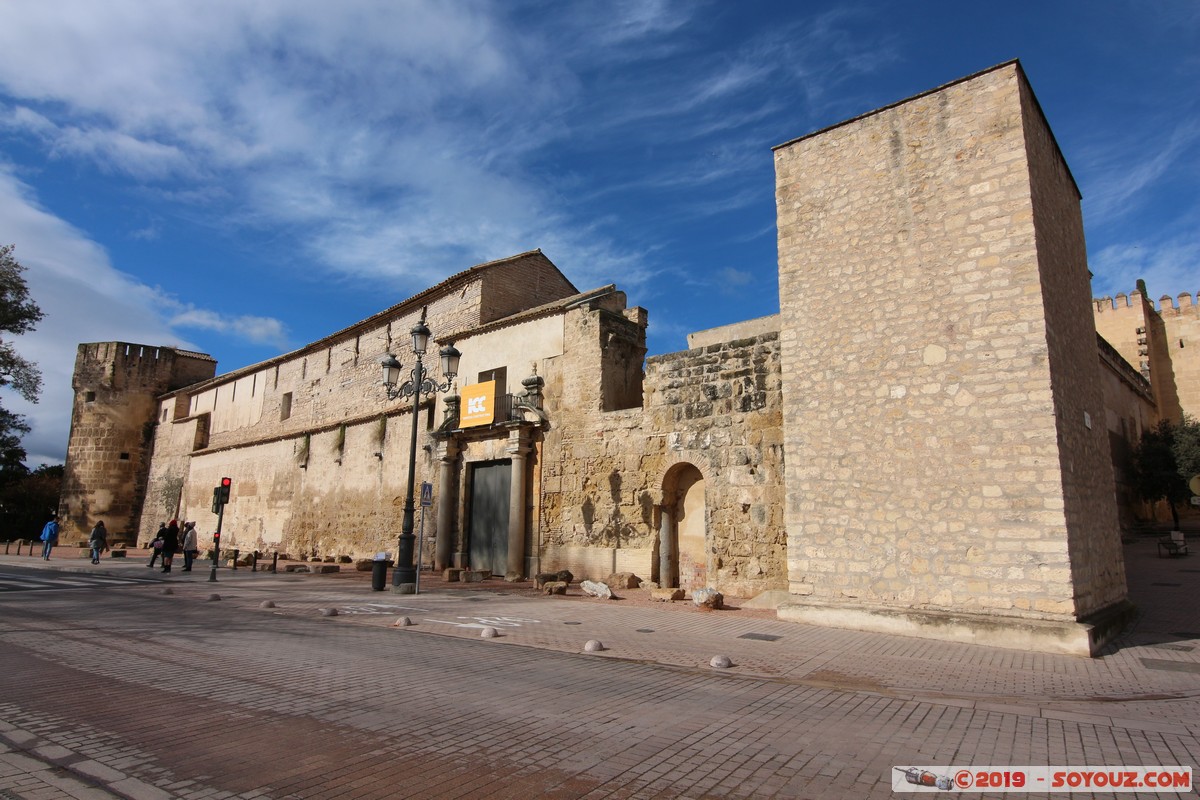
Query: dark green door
488,535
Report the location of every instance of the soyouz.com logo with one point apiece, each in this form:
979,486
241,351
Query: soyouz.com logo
1165,779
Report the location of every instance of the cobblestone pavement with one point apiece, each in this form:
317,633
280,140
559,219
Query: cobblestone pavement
130,692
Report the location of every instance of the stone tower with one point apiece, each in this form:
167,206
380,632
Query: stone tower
112,428
948,472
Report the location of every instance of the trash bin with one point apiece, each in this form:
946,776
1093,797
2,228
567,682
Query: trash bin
379,569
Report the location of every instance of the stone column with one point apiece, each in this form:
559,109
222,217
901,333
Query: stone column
517,450
666,548
447,483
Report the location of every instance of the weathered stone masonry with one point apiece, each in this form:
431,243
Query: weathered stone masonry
947,454
922,441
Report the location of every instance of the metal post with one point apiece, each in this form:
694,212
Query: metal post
254,564
236,552
420,550
274,561
212,575
404,572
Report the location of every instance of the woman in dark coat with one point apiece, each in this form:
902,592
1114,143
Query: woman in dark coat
170,544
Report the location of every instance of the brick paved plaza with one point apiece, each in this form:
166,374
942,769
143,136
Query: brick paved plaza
122,690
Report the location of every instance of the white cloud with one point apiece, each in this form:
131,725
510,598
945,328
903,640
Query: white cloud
260,330
1168,266
1124,174
85,299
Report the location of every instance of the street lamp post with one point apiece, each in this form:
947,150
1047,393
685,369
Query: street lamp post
417,384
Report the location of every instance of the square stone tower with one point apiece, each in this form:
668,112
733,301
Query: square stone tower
948,471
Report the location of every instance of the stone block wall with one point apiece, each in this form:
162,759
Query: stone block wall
1130,410
1181,333
923,463
1138,332
318,455
112,428
717,408
1091,518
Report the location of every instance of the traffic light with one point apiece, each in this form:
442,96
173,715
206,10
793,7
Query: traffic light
226,483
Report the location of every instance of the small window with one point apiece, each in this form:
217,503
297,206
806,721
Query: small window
164,414
201,439
124,456
285,406
90,397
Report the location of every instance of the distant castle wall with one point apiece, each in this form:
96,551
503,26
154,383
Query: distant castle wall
1157,342
112,428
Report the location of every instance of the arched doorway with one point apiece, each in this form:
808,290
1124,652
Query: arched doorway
682,544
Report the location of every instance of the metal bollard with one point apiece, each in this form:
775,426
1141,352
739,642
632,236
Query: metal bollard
6,544
254,563
235,558
274,560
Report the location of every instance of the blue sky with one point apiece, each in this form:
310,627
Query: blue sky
242,178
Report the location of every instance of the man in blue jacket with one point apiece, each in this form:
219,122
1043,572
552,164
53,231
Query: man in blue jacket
49,537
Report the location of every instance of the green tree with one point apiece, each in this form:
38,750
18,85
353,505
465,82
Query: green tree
18,314
1165,459
27,501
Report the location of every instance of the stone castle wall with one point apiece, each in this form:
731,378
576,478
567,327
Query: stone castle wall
318,456
1129,410
1093,537
720,408
112,427
716,408
1162,343
923,468
1181,332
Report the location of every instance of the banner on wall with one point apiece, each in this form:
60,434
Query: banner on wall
478,404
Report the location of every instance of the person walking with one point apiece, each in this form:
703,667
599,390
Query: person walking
49,537
156,545
98,541
170,544
189,545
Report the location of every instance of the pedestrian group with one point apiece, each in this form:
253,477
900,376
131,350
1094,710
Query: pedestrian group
169,540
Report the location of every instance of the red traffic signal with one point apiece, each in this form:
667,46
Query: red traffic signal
223,490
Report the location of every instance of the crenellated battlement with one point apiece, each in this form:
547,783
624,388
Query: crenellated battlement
1184,302
1119,303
